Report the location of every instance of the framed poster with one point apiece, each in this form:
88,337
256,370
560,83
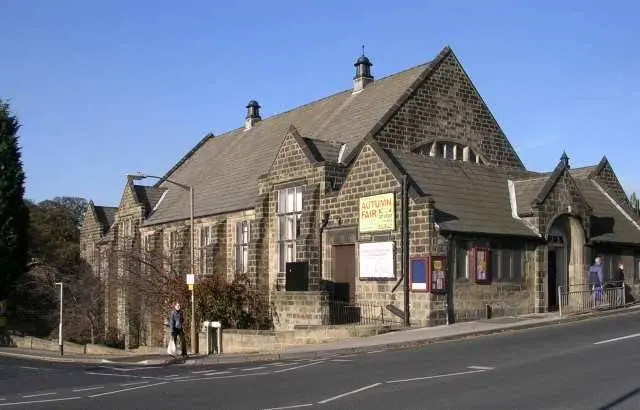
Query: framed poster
375,260
437,274
480,266
418,274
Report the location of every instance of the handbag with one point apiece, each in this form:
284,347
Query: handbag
171,349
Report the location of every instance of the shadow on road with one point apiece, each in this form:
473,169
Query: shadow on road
620,399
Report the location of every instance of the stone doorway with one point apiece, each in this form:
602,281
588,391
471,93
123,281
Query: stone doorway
344,272
565,258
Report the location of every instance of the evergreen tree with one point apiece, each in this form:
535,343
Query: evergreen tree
14,214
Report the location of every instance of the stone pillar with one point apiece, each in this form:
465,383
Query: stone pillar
258,269
307,247
576,262
540,278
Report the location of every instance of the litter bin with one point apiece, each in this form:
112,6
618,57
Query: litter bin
212,337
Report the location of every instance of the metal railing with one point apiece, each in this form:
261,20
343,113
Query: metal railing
587,297
345,313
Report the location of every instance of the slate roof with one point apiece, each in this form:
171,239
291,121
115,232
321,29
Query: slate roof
526,192
223,170
106,215
148,196
608,223
468,197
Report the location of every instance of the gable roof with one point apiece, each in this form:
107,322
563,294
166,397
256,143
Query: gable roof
223,170
468,197
148,196
106,216
609,222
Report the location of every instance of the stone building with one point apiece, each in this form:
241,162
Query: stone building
322,184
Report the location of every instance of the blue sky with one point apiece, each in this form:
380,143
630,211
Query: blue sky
104,88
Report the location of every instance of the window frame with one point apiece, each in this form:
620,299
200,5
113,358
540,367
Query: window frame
243,238
288,221
206,241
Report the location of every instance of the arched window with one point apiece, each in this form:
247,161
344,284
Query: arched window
449,150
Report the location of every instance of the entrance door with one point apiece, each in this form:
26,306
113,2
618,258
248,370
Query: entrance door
344,272
552,280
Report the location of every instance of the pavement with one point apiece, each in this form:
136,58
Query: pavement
582,364
395,340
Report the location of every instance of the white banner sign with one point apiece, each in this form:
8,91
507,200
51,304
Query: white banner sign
376,260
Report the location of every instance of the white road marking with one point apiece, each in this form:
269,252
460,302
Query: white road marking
29,367
38,401
133,383
203,371
216,373
617,339
28,396
2,399
180,378
295,406
279,364
296,367
222,377
131,369
171,376
437,376
375,351
254,368
87,389
480,368
122,375
128,389
339,396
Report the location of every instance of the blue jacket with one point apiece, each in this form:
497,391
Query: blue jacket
176,319
595,274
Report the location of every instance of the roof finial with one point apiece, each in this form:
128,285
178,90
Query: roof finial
363,49
565,159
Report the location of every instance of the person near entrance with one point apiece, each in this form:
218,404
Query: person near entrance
619,284
177,329
596,278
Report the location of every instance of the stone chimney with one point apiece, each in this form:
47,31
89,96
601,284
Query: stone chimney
253,114
363,73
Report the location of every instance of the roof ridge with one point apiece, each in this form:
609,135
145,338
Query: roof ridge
210,135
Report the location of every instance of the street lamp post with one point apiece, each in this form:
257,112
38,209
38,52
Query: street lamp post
60,343
194,344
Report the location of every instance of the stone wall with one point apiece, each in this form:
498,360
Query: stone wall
262,341
505,296
609,181
369,175
299,308
291,168
564,198
447,105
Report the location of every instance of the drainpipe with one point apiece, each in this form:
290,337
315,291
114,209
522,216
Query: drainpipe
402,229
405,251
404,232
323,225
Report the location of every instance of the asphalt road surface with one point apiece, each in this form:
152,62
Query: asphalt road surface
592,364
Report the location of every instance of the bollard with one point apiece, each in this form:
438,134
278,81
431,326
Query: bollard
488,313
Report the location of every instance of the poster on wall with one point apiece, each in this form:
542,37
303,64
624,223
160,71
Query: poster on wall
375,260
481,265
438,274
377,213
419,274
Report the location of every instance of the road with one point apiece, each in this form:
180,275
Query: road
590,364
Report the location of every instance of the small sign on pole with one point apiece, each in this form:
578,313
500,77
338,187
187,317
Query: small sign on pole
190,287
190,280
